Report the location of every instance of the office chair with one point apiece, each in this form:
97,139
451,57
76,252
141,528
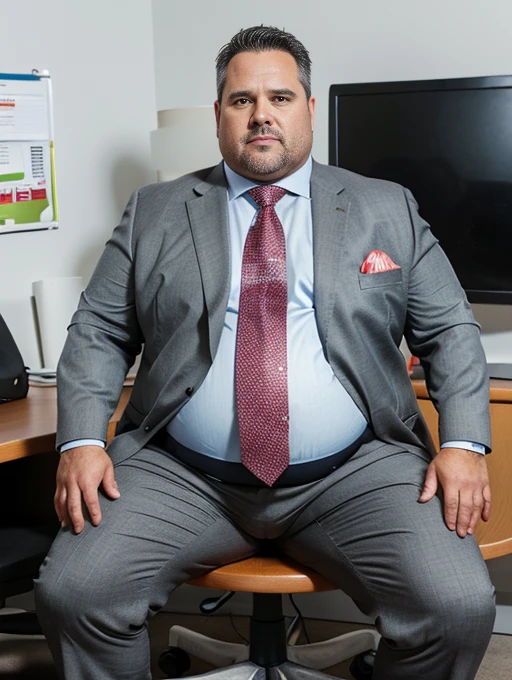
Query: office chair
22,549
270,655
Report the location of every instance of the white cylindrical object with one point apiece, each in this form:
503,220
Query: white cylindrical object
56,300
186,140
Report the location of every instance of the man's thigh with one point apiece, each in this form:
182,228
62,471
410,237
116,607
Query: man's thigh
394,556
165,528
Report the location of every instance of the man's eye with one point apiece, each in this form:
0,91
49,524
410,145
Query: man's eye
242,101
280,100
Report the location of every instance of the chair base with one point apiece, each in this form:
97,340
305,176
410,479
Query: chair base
250,671
316,655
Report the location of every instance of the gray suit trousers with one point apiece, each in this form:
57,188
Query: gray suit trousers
362,527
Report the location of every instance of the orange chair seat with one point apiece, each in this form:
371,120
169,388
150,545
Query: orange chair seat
264,575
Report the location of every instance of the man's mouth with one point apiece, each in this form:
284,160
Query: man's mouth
263,140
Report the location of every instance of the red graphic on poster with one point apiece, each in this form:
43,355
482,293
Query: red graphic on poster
23,195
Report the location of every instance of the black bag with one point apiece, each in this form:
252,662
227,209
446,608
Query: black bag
13,375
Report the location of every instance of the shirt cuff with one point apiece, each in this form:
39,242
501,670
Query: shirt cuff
81,442
461,444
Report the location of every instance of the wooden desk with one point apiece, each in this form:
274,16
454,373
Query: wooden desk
28,426
495,536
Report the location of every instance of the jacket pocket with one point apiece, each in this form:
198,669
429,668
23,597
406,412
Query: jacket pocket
410,420
393,276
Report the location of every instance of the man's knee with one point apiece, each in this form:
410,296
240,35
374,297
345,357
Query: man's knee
71,599
469,612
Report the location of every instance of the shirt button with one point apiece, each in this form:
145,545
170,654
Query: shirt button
189,391
147,428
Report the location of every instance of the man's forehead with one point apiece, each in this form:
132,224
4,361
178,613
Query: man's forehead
248,70
271,62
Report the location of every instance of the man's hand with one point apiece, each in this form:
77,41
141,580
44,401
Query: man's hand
81,471
465,482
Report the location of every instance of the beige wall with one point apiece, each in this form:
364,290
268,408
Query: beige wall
100,56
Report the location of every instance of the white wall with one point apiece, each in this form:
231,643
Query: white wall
100,56
349,41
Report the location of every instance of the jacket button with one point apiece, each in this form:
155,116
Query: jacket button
147,428
189,391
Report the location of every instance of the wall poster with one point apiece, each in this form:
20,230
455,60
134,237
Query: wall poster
28,199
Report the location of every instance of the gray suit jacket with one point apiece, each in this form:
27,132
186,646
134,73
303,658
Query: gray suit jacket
163,282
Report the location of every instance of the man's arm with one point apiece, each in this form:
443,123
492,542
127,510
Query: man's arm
442,332
103,340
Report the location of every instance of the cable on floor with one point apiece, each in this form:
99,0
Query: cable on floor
301,618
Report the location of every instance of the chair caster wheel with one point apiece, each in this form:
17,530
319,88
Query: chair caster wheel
361,667
174,662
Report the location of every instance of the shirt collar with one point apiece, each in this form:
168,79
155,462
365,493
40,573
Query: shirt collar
297,183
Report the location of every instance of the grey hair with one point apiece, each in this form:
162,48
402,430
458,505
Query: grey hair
264,39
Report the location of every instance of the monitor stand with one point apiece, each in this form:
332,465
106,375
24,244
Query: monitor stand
500,371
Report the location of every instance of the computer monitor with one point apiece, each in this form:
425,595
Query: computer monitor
450,143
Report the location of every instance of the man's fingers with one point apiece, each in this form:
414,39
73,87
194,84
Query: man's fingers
451,508
109,483
90,494
74,506
475,516
59,502
486,511
430,485
465,513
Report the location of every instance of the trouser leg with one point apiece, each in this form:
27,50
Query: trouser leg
95,590
427,589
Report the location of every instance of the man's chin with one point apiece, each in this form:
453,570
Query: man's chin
263,163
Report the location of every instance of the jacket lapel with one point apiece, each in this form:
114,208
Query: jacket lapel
330,207
209,224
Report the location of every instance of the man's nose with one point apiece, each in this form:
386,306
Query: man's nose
262,114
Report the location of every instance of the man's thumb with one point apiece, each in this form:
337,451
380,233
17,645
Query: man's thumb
430,485
110,484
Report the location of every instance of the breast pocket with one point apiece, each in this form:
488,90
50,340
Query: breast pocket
390,278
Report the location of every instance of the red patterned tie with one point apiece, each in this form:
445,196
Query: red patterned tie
261,355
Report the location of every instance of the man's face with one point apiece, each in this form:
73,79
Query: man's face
264,121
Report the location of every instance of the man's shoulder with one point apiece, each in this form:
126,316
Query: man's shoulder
353,181
185,187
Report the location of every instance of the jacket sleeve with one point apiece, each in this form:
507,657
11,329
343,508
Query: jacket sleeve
442,332
103,341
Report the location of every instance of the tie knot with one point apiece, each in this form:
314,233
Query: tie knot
266,194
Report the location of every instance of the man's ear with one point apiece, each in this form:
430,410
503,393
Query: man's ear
311,106
216,106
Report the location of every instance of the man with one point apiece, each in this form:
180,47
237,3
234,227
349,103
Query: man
272,402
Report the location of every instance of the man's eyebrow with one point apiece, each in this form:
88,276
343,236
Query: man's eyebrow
284,91
239,94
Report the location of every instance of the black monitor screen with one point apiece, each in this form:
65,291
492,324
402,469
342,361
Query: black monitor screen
450,143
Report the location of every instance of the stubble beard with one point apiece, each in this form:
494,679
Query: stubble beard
264,162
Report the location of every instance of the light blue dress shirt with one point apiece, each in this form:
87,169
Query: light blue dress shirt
323,417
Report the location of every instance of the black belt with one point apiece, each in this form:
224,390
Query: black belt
236,473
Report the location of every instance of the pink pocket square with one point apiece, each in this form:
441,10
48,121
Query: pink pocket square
377,261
